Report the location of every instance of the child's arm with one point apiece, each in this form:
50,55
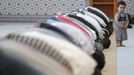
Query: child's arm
127,21
117,21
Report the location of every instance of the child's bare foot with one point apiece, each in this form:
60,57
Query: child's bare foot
122,45
118,45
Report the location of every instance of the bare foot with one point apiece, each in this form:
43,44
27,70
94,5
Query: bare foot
122,45
118,45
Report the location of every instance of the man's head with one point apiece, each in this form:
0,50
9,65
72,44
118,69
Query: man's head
121,6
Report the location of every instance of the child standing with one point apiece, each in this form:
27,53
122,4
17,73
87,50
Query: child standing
121,22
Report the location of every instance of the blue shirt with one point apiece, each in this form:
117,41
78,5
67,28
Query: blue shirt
122,17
